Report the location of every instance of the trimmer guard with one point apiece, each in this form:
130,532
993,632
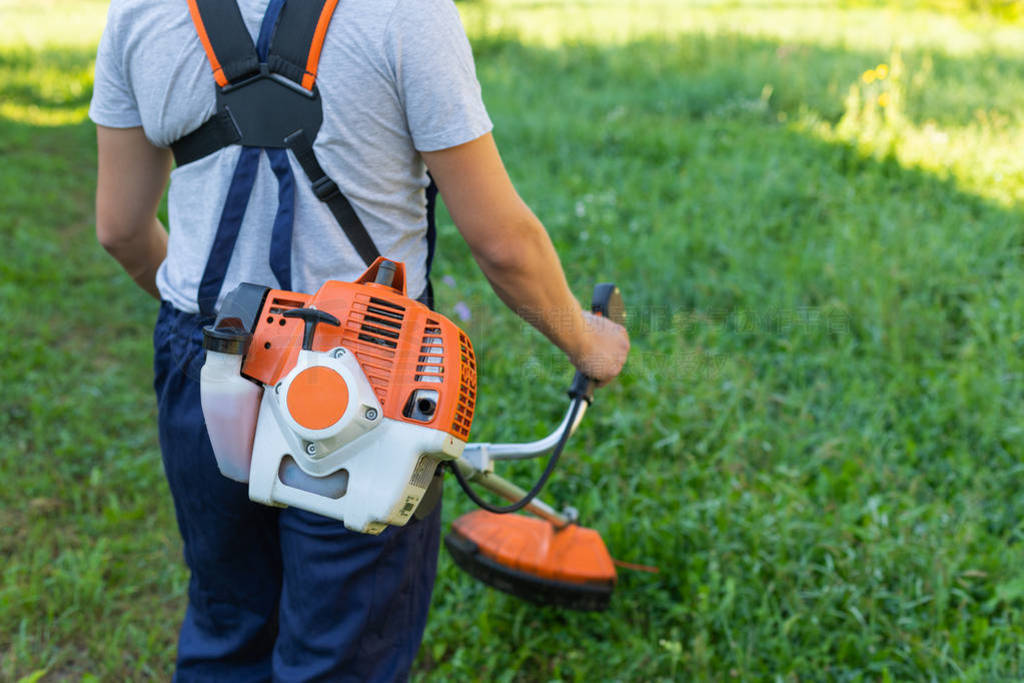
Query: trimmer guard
531,559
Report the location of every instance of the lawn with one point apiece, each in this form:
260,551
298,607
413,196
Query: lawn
816,215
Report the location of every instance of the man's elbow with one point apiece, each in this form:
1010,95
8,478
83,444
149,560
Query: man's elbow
114,233
501,256
511,249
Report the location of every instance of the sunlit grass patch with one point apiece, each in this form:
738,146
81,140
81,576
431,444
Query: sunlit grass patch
931,113
40,116
49,23
981,153
45,87
860,27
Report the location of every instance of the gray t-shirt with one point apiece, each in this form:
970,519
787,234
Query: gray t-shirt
396,78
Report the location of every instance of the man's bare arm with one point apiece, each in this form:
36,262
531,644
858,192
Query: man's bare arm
516,255
132,175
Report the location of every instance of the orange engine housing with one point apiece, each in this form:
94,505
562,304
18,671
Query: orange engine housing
401,345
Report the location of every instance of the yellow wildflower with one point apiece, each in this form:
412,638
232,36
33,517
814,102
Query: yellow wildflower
869,76
881,71
883,100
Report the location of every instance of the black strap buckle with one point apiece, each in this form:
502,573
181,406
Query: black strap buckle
325,189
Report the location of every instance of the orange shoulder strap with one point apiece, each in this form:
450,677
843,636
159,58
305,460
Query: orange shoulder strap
315,47
299,39
197,20
225,38
295,48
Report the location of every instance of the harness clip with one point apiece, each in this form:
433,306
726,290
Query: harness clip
325,189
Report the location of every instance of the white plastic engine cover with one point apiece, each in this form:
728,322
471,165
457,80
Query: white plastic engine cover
389,463
362,413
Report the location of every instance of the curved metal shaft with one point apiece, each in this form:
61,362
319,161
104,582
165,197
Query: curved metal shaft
523,451
476,465
512,493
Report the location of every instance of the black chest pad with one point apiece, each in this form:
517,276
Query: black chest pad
265,111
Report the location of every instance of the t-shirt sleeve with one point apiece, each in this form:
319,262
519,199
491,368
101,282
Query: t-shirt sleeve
432,63
113,102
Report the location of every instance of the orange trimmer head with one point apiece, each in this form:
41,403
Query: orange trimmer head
533,560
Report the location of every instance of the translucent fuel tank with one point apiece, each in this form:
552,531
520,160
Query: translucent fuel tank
230,405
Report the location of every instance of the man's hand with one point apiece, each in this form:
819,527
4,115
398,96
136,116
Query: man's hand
516,255
606,345
131,178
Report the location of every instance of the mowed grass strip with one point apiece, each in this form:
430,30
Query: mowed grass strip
816,440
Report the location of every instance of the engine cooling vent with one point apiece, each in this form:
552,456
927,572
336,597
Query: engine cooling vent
382,323
279,305
430,367
467,388
372,333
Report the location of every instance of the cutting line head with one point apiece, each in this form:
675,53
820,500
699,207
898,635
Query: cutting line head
531,559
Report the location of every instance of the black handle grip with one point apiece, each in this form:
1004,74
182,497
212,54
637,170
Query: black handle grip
312,317
606,302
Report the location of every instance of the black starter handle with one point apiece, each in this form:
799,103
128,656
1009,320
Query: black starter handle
312,317
606,302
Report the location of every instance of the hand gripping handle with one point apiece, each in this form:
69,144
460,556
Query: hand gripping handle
607,303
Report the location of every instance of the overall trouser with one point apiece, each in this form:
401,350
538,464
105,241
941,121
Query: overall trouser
279,594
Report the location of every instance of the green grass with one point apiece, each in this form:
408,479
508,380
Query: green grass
817,439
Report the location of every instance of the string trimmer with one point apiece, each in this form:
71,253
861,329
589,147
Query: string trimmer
346,401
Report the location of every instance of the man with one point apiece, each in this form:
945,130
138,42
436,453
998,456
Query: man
285,593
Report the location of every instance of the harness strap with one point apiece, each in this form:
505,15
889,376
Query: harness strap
229,49
295,50
227,231
287,50
268,28
281,236
431,196
218,132
326,190
240,190
284,219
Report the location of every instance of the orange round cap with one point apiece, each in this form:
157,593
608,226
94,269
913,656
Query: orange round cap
317,397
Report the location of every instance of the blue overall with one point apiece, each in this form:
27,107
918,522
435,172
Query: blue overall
276,594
